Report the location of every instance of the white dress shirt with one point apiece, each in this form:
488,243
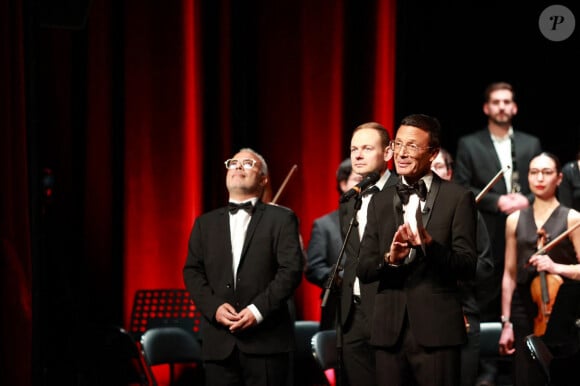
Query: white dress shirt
238,227
503,148
361,218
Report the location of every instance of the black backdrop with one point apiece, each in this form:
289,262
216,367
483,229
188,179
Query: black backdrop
449,51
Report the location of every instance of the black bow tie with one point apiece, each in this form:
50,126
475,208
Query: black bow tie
419,188
372,190
247,206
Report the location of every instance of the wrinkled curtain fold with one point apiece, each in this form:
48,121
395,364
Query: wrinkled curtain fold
115,129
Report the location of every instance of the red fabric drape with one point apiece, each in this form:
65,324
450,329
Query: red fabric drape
297,82
321,124
163,143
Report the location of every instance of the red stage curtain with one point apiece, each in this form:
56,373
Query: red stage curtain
163,142
288,62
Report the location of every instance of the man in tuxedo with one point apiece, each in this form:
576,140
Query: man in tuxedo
369,152
244,263
420,240
480,156
324,246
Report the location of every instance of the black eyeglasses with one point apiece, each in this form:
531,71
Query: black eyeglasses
247,163
411,147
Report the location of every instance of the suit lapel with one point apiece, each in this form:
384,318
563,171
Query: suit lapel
486,139
397,206
252,226
427,209
226,230
354,234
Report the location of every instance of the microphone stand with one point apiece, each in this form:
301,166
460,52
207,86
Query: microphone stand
333,282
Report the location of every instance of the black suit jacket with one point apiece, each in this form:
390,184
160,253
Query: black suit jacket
425,289
476,163
323,250
269,271
473,297
368,290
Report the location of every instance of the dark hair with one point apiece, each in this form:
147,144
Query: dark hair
426,123
554,158
498,86
383,133
343,172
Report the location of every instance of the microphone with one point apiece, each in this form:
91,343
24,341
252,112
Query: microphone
369,180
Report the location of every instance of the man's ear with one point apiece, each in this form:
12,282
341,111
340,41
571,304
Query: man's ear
434,154
388,154
266,191
264,181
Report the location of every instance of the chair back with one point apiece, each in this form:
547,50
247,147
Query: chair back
304,368
114,359
489,339
324,349
171,346
166,345
539,353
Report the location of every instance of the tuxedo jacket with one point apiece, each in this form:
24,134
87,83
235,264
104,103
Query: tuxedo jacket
269,271
368,290
425,290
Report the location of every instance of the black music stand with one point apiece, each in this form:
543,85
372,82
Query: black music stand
164,308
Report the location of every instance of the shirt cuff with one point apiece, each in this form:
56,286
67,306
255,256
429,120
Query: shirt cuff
257,314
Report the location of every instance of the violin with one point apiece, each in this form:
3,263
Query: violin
544,288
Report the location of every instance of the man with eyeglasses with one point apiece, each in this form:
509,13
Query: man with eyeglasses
479,157
419,242
244,263
369,153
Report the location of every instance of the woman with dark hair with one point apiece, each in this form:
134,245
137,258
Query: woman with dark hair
527,230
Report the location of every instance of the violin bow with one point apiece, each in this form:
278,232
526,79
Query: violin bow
491,183
560,237
292,170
